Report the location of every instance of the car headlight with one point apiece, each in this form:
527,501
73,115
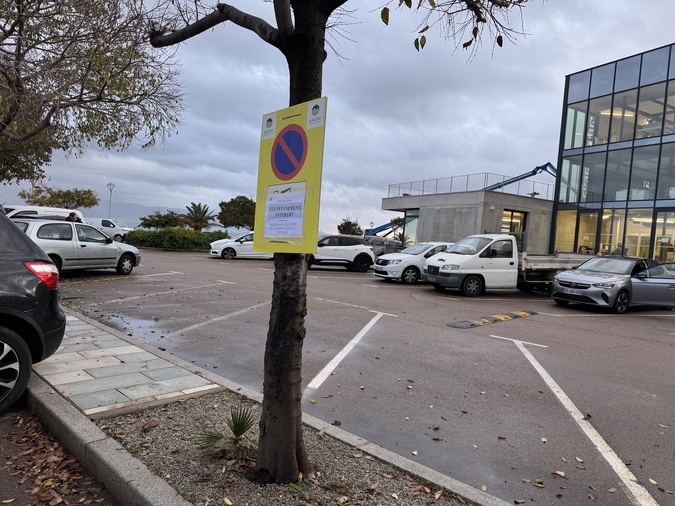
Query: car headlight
604,285
450,267
394,262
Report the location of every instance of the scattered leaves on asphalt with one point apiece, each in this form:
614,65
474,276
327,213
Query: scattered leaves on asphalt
46,470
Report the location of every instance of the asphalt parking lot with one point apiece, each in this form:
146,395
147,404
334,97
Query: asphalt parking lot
528,400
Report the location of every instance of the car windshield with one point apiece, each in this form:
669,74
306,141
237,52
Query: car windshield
469,245
416,249
609,265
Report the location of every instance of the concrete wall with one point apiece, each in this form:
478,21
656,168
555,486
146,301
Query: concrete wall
451,216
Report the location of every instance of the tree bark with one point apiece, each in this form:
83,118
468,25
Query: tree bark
281,447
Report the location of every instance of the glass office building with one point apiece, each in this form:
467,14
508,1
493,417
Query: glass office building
615,189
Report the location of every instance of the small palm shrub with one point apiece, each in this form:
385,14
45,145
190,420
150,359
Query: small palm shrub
239,422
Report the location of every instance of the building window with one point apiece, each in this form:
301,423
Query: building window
611,230
513,222
574,128
602,80
412,220
623,116
588,226
569,179
669,117
665,236
565,229
578,87
599,114
650,111
638,232
627,73
592,177
654,66
643,173
666,183
618,175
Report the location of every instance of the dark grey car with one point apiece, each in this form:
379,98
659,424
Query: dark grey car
31,323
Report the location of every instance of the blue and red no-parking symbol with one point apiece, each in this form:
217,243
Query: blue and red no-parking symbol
289,152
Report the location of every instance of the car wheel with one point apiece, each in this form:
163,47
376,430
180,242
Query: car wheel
362,263
561,302
525,287
15,367
118,238
57,262
125,265
228,254
472,286
621,302
410,276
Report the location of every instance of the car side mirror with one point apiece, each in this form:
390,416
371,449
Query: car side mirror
108,240
641,275
321,245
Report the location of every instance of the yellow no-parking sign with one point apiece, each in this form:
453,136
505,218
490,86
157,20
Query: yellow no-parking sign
289,179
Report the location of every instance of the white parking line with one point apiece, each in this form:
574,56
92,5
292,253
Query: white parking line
342,303
220,318
148,295
637,494
332,365
160,274
517,341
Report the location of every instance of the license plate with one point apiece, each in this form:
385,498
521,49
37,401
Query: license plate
430,279
571,291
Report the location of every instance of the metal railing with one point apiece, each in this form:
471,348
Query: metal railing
472,182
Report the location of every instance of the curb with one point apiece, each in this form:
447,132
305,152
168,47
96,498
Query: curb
131,483
125,477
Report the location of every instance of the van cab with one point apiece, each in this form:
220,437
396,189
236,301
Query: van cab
114,229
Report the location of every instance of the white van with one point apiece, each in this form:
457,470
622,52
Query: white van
114,229
28,211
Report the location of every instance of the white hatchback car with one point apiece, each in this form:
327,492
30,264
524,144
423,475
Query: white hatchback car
241,246
407,264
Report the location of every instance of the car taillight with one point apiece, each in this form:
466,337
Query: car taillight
48,273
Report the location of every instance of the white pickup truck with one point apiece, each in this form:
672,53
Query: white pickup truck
485,261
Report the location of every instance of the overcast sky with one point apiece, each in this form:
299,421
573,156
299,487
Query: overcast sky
394,114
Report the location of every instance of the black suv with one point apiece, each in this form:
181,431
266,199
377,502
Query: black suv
31,323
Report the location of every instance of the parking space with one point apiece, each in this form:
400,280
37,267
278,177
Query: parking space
493,405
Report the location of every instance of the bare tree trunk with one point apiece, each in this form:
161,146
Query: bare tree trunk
281,447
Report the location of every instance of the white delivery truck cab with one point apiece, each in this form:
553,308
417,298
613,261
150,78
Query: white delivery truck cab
114,229
483,261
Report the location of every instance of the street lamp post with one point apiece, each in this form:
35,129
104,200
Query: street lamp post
110,187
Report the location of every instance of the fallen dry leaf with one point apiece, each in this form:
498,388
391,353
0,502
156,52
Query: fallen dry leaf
150,425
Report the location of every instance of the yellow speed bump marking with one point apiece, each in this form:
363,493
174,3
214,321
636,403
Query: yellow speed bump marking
469,324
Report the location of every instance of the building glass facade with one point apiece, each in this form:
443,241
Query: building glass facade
615,190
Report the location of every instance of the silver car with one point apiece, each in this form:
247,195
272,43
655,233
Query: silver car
616,282
73,246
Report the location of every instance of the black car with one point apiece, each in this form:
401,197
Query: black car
31,323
